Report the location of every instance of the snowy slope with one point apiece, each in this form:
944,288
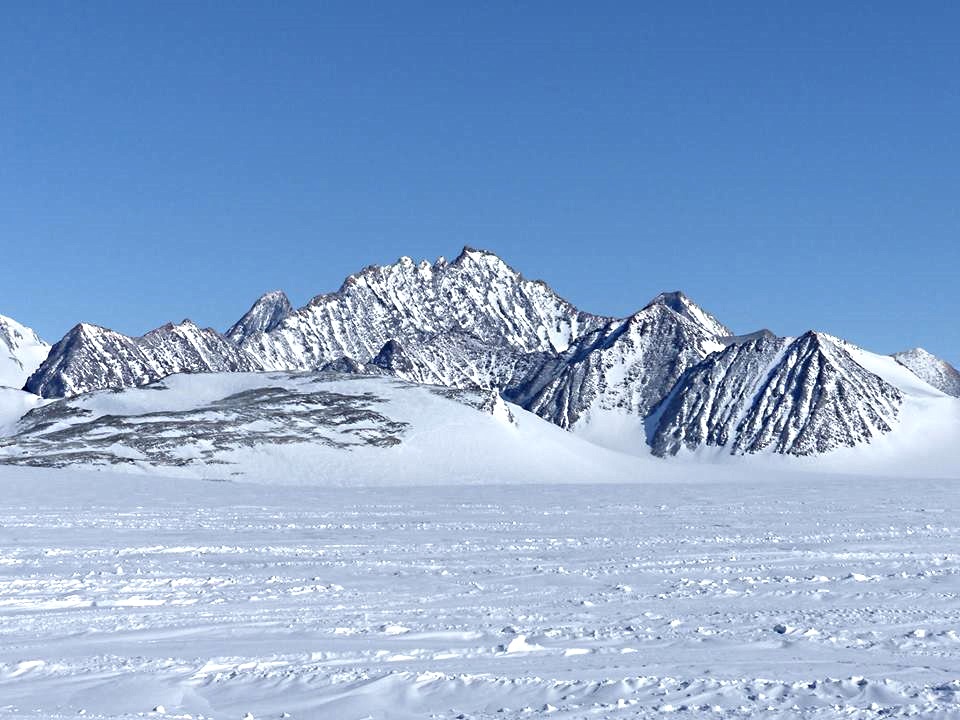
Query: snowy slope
14,404
309,428
21,352
765,597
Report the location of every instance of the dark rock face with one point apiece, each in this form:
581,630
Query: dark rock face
803,397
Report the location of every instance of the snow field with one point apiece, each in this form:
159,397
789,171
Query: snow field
126,597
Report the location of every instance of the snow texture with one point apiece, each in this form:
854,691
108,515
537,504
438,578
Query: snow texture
757,597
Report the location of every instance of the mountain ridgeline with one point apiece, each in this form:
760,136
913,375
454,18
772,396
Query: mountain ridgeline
669,378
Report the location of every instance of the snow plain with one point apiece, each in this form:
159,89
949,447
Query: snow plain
774,596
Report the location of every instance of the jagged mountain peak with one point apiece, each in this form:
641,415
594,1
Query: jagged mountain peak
264,315
185,324
931,369
799,396
478,294
470,252
683,305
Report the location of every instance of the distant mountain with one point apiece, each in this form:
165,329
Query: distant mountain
471,311
670,378
21,352
931,369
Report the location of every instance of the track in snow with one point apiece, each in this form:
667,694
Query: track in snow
819,599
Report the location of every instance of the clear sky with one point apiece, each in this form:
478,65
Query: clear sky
788,165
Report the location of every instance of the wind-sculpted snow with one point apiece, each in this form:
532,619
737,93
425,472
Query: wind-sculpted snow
94,358
932,370
21,352
125,598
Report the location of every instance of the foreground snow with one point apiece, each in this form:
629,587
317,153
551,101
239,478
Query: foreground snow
824,597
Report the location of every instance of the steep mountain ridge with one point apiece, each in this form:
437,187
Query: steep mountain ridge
627,366
799,397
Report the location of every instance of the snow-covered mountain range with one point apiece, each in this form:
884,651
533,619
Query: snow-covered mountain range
670,379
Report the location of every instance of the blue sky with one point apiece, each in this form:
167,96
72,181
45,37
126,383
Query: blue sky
788,165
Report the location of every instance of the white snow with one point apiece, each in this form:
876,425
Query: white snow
14,404
768,596
21,352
